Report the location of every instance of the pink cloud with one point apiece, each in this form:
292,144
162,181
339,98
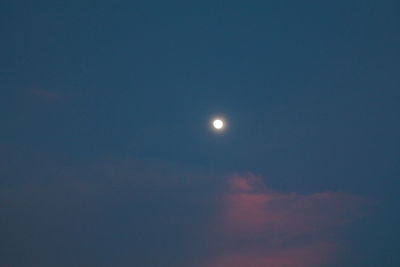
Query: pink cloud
260,227
302,256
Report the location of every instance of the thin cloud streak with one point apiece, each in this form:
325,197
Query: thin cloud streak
46,94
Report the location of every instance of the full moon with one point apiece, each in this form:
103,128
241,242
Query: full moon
218,124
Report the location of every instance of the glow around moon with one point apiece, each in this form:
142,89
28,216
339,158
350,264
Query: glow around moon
218,124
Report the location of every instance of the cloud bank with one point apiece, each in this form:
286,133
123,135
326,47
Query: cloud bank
124,212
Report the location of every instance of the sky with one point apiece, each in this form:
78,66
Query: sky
107,157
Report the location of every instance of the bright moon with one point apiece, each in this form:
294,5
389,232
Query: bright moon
218,124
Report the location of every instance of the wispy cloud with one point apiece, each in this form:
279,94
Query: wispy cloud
261,227
46,94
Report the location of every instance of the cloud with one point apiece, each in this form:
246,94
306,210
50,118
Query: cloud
114,211
46,94
126,212
302,256
257,226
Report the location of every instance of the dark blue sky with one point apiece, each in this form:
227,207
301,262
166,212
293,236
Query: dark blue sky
109,103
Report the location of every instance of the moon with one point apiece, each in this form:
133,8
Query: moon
218,124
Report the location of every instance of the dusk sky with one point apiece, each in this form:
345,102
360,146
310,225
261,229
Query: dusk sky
108,157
